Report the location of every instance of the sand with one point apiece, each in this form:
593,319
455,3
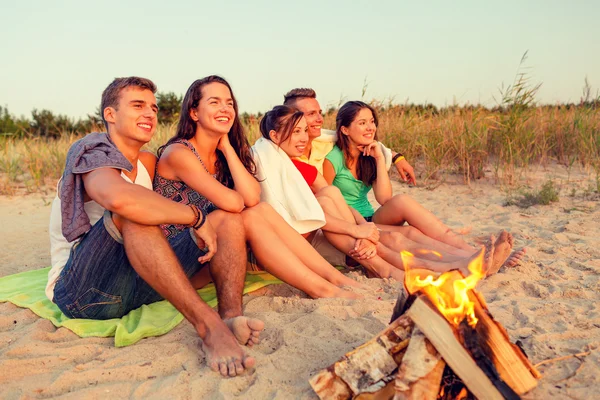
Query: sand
549,303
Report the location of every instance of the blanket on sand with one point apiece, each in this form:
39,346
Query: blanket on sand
26,289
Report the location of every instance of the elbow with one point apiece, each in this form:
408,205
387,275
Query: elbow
117,204
253,200
234,206
383,199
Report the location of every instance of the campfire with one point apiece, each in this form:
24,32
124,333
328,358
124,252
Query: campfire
443,343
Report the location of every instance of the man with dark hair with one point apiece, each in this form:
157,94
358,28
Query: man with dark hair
321,141
109,255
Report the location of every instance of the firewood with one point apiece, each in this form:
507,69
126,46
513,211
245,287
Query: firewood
421,370
328,385
513,366
402,303
442,335
366,365
384,390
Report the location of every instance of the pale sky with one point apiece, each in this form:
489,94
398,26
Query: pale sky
60,55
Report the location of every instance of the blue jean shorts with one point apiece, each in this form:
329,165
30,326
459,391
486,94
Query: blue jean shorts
98,282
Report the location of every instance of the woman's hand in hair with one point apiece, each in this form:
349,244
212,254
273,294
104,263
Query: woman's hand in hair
373,150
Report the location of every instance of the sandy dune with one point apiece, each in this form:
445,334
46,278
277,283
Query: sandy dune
549,303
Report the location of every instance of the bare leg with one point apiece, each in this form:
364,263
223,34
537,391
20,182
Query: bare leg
395,259
404,237
300,247
344,243
153,259
408,237
228,272
201,278
402,208
277,257
335,195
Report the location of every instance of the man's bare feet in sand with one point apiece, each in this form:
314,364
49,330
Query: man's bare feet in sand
246,330
223,353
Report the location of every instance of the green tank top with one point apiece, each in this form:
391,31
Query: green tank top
353,190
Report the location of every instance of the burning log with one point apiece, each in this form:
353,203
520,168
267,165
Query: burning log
367,369
443,337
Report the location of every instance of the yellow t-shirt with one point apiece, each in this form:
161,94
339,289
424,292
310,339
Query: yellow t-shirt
322,145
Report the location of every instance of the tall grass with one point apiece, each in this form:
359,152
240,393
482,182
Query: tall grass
467,141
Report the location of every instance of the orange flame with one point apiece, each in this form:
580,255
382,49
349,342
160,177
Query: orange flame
449,292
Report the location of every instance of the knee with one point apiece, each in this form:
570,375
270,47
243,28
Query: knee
251,215
226,222
401,199
410,232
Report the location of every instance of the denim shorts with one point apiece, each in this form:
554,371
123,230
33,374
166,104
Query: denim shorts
98,282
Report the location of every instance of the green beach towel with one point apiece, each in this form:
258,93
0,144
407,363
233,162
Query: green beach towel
26,289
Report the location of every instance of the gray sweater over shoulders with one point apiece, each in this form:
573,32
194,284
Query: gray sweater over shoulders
94,151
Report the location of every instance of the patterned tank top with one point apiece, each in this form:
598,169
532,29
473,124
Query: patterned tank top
180,192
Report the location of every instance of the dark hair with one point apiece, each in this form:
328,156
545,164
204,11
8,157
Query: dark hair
366,167
291,97
110,95
186,129
281,119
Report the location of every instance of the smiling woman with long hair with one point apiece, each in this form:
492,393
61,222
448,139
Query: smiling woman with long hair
356,165
208,163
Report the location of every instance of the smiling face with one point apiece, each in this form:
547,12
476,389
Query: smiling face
215,112
295,144
313,114
362,129
135,117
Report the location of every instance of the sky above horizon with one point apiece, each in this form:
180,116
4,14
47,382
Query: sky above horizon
60,55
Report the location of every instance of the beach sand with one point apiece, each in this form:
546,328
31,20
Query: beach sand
549,303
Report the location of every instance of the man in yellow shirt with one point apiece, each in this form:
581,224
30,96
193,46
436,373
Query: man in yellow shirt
321,141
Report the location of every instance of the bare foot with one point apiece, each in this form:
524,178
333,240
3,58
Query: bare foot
502,249
246,330
515,258
488,257
223,353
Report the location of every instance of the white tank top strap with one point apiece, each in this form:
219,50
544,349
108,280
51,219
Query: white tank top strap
142,178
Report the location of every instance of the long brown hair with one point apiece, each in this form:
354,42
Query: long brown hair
366,167
186,129
282,119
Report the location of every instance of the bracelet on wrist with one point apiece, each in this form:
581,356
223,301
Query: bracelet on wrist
397,157
199,217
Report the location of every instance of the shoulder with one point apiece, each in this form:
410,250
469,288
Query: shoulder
335,155
301,165
327,136
175,151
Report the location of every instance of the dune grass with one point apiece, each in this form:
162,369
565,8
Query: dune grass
468,141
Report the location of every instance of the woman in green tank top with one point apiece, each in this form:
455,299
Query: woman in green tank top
356,165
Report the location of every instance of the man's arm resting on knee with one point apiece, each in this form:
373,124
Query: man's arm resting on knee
134,202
